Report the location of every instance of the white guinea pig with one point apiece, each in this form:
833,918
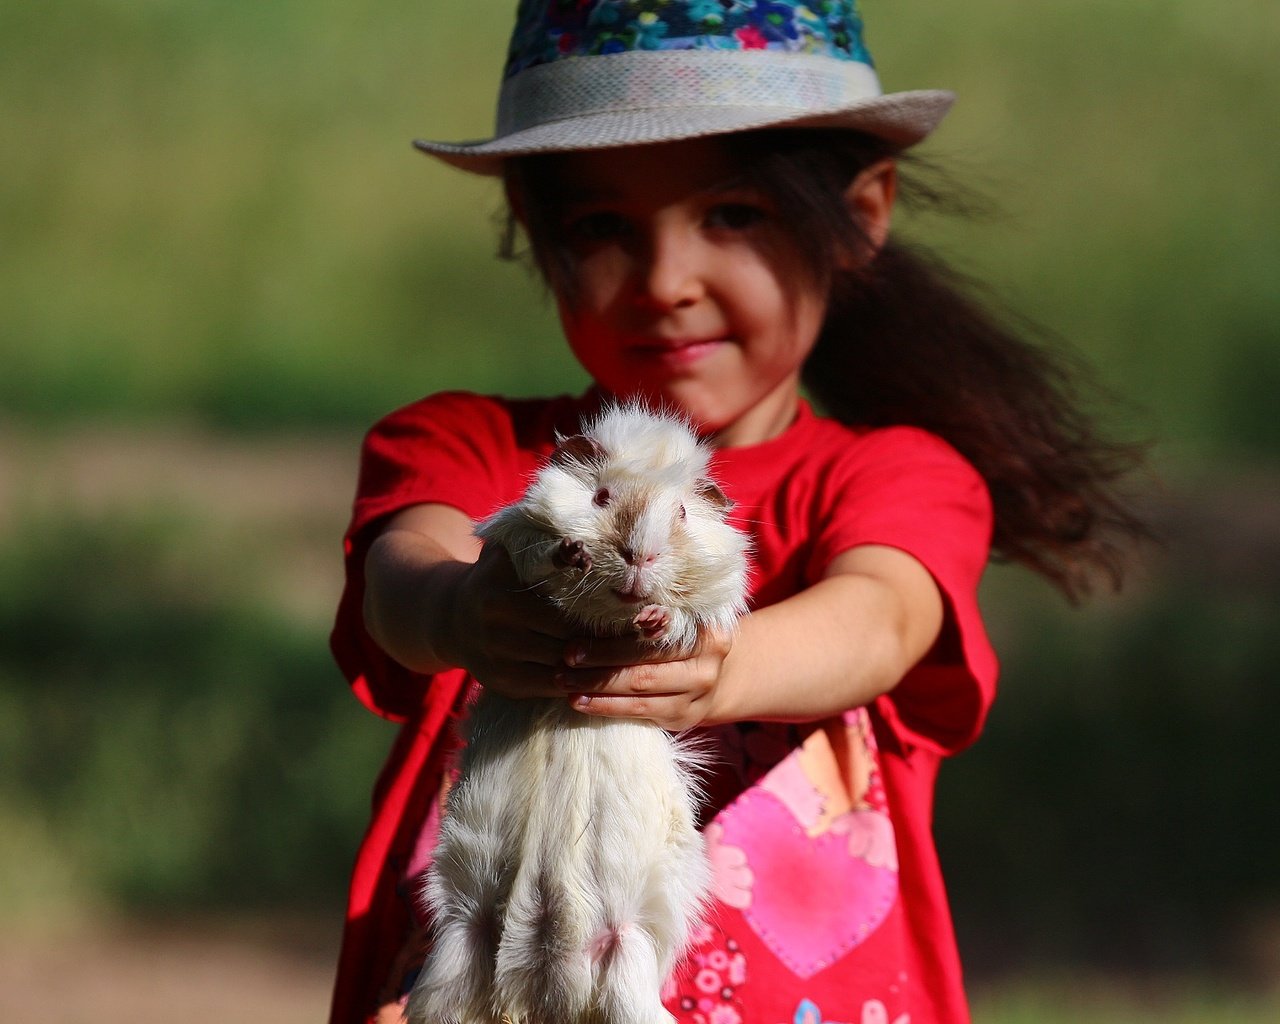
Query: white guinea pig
570,872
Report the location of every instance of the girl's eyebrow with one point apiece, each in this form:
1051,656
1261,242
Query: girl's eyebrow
575,194
736,183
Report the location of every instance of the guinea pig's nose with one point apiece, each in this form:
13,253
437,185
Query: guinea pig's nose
631,558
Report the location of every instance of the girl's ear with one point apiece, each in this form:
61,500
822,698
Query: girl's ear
870,201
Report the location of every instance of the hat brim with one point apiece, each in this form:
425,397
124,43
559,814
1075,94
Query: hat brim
902,119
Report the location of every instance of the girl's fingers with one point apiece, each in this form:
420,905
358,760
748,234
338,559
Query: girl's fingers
508,600
533,611
670,711
646,682
526,646
615,651
671,694
522,680
652,708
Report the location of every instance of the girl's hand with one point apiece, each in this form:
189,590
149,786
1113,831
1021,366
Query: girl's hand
434,599
621,677
502,631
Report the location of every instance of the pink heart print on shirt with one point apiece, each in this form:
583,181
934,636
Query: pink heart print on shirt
810,899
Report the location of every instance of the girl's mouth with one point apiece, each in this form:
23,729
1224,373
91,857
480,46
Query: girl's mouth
679,352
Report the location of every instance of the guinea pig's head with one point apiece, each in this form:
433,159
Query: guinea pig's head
634,488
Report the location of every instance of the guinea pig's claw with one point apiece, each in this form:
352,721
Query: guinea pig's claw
571,554
652,620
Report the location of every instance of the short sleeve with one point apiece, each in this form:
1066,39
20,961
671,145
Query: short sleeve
454,448
908,489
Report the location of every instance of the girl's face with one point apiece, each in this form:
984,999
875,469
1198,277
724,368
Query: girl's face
686,288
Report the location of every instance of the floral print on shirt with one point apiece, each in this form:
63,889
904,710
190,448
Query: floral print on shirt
873,1012
708,987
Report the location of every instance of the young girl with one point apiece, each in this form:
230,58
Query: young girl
707,187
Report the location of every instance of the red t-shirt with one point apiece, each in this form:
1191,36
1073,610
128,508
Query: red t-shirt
828,899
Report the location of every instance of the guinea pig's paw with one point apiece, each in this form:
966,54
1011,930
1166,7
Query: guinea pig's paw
571,554
652,620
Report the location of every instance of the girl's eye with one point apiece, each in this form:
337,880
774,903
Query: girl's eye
601,497
736,216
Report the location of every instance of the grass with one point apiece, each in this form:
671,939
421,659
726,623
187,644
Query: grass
165,749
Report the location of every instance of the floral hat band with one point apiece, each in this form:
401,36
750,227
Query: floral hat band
586,74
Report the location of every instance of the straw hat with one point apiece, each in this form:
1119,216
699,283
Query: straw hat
586,74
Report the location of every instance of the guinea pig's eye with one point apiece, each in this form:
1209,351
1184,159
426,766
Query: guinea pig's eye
682,512
601,497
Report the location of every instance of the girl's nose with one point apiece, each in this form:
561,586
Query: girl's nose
673,275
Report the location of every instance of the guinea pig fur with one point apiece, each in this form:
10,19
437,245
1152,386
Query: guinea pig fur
570,872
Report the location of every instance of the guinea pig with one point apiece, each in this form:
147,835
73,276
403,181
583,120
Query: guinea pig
569,872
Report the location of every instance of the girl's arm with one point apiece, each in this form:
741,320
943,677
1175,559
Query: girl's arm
838,644
434,599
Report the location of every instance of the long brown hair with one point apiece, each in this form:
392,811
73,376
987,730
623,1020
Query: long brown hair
908,341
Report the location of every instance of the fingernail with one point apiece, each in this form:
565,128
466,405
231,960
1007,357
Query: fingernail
581,701
563,680
575,654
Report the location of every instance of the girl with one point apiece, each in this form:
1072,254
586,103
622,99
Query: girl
707,188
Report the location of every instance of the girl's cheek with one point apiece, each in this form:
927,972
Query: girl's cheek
602,275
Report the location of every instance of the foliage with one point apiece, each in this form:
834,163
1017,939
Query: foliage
1118,810
161,751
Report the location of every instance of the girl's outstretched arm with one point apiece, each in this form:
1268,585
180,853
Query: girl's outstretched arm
838,644
434,599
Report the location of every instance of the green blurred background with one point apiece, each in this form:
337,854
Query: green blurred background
220,261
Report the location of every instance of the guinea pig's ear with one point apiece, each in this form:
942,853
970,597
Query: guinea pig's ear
577,450
709,491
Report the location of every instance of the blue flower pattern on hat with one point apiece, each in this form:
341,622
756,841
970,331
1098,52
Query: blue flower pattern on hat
549,30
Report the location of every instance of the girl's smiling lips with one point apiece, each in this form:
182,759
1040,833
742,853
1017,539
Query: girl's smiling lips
675,352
